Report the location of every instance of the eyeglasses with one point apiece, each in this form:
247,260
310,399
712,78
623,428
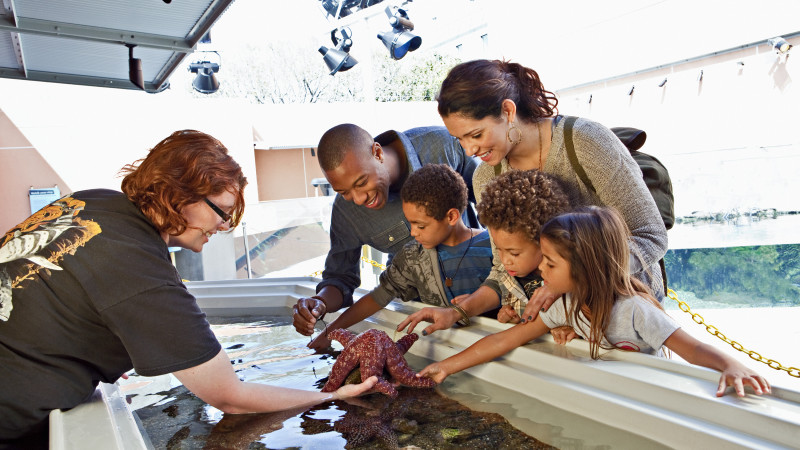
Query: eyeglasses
222,214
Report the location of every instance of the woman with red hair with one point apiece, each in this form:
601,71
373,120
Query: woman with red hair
88,292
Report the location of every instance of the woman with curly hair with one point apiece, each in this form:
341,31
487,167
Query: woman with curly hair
501,113
88,292
514,207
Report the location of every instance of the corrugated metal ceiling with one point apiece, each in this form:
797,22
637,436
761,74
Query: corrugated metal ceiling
83,41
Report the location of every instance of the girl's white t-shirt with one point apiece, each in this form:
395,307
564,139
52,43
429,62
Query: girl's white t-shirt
636,324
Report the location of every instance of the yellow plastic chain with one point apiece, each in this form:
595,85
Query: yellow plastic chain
366,260
792,371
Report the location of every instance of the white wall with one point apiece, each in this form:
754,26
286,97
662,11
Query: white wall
87,134
729,140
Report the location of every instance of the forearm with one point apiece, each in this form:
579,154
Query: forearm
494,346
332,297
263,398
696,352
480,352
217,384
480,301
707,356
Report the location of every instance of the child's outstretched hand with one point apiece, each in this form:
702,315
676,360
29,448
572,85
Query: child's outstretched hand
563,334
738,375
320,342
433,371
507,314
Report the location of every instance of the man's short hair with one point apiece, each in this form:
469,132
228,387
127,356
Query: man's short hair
339,140
437,188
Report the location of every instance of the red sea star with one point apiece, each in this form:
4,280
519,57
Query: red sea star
373,350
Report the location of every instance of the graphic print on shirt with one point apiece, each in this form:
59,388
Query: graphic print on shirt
628,346
39,243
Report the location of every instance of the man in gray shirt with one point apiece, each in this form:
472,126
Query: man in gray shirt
367,175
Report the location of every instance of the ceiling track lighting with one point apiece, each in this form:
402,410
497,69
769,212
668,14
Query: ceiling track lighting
135,68
399,40
780,44
206,81
339,59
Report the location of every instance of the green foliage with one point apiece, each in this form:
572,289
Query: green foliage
760,273
417,77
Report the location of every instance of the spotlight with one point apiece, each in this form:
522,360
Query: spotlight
663,82
205,82
338,59
134,68
399,40
780,44
632,88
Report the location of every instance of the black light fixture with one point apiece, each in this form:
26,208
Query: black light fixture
780,44
399,40
339,59
205,82
663,82
135,68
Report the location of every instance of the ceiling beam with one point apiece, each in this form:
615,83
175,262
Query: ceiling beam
81,80
88,33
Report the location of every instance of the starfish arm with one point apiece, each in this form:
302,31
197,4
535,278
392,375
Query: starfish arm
405,342
342,335
344,364
403,373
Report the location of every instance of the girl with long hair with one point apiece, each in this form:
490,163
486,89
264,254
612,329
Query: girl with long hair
585,261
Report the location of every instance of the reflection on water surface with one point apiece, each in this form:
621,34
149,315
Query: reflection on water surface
270,351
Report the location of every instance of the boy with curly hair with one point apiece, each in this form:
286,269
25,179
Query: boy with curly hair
514,206
446,260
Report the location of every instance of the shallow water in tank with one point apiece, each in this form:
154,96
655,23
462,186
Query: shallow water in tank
462,412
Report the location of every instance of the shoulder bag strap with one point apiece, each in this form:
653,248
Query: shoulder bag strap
573,158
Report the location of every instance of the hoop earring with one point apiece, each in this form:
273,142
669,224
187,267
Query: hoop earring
512,128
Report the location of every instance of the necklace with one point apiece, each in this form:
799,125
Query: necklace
541,149
448,281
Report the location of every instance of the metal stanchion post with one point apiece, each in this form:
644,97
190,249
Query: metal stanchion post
246,250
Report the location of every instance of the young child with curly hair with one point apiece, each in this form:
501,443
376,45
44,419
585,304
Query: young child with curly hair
447,258
513,207
584,259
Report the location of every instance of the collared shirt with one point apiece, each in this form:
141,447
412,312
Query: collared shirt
415,273
387,229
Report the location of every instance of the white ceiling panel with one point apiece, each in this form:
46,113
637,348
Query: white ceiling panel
8,57
84,41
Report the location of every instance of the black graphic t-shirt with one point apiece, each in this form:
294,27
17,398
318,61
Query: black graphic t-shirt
87,292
